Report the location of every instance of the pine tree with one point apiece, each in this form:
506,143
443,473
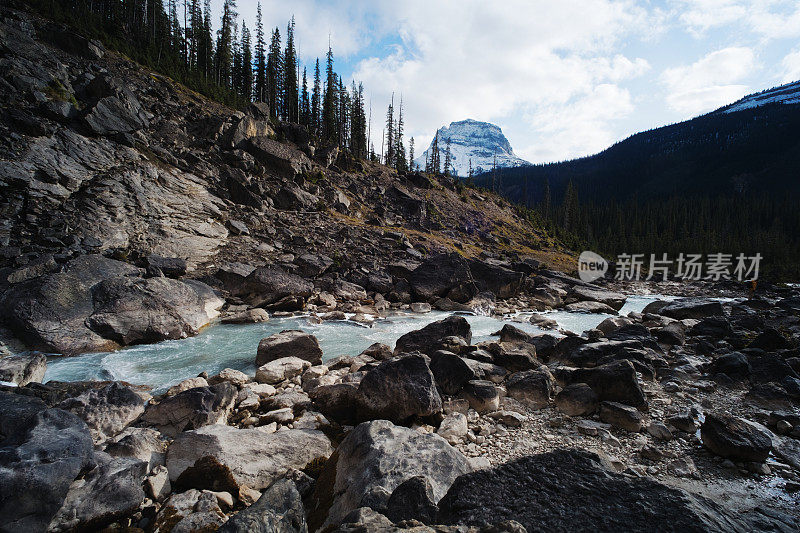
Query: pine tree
194,33
390,138
236,68
290,104
329,102
401,164
206,44
246,78
436,167
223,60
261,59
305,104
411,153
274,74
316,101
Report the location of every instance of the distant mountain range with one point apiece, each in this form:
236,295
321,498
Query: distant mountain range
749,146
480,143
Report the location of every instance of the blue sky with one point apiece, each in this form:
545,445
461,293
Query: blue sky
562,79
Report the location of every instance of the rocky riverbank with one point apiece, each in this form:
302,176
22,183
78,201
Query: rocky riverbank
135,211
686,412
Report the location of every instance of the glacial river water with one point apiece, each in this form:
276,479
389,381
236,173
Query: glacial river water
234,346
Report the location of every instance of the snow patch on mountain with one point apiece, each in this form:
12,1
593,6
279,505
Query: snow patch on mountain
785,94
471,140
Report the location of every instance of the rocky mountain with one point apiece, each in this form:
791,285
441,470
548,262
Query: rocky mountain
481,143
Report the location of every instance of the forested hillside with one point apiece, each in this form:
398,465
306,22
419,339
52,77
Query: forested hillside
722,182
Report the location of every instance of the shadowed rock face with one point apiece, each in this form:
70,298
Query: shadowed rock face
569,490
96,304
41,452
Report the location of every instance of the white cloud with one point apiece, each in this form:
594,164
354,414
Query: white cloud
710,82
590,118
509,61
701,15
791,66
770,19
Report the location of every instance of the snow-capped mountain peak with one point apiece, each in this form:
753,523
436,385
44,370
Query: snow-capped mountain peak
785,94
471,140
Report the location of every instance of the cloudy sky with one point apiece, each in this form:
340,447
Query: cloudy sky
562,79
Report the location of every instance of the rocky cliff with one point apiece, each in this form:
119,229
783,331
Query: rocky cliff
101,157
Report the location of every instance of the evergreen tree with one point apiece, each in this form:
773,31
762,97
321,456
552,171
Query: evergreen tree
411,153
316,101
223,60
329,102
290,104
401,164
305,104
261,59
436,167
246,78
389,161
274,74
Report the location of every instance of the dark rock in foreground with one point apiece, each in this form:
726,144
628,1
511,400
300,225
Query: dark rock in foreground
429,339
568,490
399,389
735,438
372,461
278,509
41,452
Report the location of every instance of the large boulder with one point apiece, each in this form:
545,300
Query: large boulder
281,369
580,293
429,339
289,343
735,438
533,388
114,114
338,401
613,382
279,158
267,285
280,508
495,276
557,490
372,461
577,399
696,308
134,311
450,371
41,452
49,312
245,129
255,458
23,368
110,491
443,275
192,409
399,389
107,410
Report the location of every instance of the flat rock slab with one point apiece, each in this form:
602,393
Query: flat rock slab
255,458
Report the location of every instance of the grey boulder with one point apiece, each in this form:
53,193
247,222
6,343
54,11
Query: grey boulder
372,461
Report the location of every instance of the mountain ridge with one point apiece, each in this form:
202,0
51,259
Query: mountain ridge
472,141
